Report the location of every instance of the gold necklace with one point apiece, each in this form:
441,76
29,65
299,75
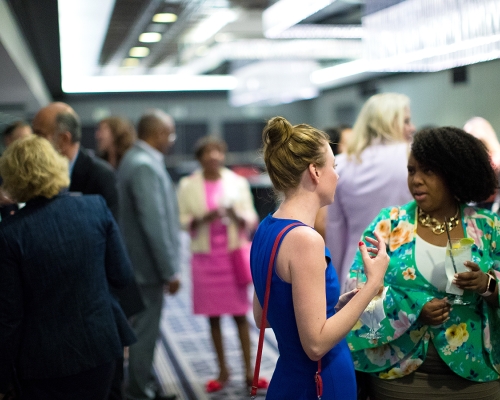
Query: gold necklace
437,227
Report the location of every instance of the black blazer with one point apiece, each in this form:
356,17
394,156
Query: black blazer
91,175
57,317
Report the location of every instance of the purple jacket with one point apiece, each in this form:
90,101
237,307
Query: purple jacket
364,188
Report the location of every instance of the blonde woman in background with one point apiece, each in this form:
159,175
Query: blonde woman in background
372,175
61,330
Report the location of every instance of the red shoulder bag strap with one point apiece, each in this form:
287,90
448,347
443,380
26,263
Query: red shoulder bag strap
319,383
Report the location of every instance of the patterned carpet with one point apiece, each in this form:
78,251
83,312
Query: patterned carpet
185,359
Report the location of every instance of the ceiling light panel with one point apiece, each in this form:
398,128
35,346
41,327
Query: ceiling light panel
210,25
147,83
286,13
164,18
139,52
149,37
77,38
130,62
261,49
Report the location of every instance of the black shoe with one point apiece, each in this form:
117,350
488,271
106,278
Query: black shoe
165,396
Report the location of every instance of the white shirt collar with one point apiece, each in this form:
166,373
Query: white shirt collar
158,155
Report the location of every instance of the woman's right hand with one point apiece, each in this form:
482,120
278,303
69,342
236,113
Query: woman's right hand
211,215
206,219
375,266
435,312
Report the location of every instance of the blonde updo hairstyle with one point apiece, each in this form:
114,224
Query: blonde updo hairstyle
31,167
289,150
381,117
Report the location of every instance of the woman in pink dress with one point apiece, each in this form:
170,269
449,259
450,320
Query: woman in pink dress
216,207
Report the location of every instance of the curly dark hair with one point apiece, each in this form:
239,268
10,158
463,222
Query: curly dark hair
460,159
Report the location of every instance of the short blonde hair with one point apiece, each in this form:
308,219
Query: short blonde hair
382,117
31,167
289,150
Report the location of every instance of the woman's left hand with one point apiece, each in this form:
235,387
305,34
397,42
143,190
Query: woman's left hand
475,280
345,298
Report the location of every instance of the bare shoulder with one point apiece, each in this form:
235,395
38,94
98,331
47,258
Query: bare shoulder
302,250
304,238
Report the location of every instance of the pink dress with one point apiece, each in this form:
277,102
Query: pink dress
215,291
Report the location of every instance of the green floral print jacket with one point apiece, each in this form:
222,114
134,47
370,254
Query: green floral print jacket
469,342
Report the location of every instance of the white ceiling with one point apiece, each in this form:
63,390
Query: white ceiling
251,57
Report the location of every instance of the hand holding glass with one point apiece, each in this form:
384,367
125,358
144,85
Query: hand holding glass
457,252
370,308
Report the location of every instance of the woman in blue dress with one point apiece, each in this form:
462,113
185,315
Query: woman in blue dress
304,308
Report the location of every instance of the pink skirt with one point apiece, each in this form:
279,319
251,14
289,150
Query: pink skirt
215,291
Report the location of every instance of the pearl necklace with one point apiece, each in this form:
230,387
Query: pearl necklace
437,227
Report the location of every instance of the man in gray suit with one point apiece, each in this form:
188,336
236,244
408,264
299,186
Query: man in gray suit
149,221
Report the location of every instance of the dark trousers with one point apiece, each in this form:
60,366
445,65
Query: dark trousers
116,391
146,325
93,384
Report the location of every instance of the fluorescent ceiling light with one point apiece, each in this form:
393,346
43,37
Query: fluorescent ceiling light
338,72
148,83
164,18
130,62
149,37
81,45
401,63
261,49
210,26
404,62
139,52
286,13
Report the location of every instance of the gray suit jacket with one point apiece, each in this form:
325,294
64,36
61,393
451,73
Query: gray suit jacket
148,216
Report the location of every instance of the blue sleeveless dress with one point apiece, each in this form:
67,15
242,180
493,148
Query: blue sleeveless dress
293,377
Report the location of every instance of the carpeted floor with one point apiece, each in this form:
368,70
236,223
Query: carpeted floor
185,359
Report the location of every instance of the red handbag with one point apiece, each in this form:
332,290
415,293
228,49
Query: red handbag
272,259
240,258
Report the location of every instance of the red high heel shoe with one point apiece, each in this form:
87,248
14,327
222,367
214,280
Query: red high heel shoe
262,383
214,385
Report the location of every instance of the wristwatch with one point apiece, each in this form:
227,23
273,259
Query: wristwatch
490,287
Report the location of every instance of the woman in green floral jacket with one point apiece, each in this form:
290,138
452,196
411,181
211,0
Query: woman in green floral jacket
428,348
